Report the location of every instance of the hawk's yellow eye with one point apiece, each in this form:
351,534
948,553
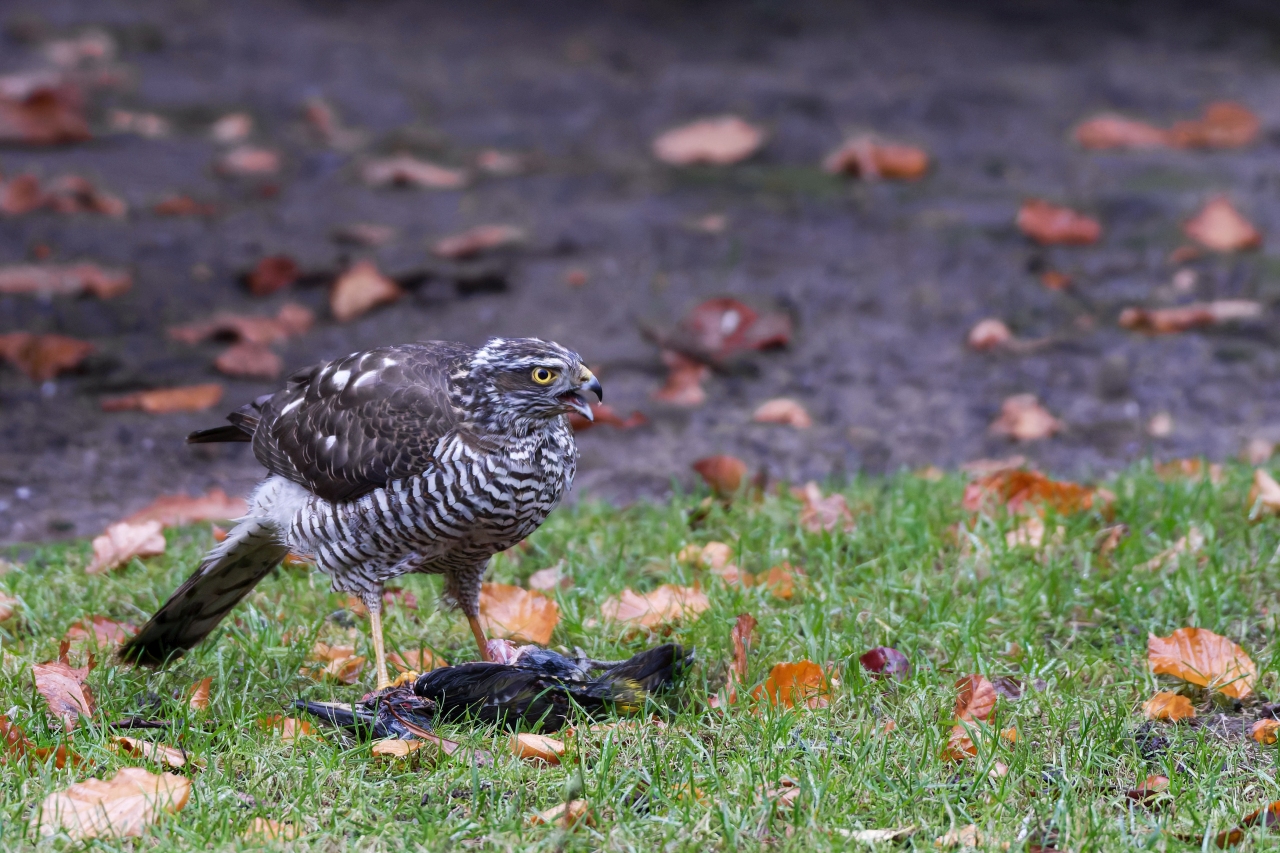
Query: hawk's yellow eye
544,375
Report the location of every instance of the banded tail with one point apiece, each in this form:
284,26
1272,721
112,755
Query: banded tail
250,551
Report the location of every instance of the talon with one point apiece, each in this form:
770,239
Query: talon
406,677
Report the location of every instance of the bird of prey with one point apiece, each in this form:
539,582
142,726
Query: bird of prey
537,688
426,457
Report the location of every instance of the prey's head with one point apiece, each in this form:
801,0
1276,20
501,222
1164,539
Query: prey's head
526,379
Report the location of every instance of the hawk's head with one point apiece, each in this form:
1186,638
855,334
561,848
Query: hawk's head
526,379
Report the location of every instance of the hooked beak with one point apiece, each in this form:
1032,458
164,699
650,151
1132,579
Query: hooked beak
575,401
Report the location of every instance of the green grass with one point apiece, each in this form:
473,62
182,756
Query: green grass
901,579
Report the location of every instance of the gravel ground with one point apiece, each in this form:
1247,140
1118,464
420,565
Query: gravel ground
884,279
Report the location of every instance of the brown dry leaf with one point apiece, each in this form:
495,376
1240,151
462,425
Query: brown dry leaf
249,359
1146,793
989,334
98,632
1163,321
684,380
533,747
18,746
164,401
1030,534
1199,656
1166,705
1264,731
975,699
1055,280
1192,544
510,612
416,660
291,320
74,194
41,109
1115,131
964,837
550,579
21,194
666,604
564,815
264,829
287,729
183,205
338,663
403,170
120,807
359,290
63,280
387,748
717,330
1022,418
724,474
123,541
198,695
1220,227
1049,224
781,580
796,684
823,514
719,141
1268,817
782,411
1224,125
482,238
371,234
248,161
960,745
158,753
1264,495
272,273
64,691
42,357
231,128
743,636
785,793
865,157
605,416
8,606
1258,450
177,510
1190,469
1022,491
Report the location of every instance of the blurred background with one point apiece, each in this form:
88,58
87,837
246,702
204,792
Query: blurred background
197,198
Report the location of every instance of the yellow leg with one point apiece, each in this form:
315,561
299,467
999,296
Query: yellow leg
379,651
478,633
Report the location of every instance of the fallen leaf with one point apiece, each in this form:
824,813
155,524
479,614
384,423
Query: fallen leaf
534,747
64,691
177,510
1115,131
123,541
291,320
264,829
666,604
724,474
1021,491
287,729
791,684
1220,227
780,580
960,745
248,161
359,290
865,157
510,612
782,411
883,660
1264,496
98,633
416,660
684,381
742,636
1049,224
820,514
183,205
482,238
785,793
1199,656
198,695
1264,731
1224,125
564,815
8,606
1163,321
1030,534
159,753
1258,450
989,334
1191,544
41,109
1169,706
369,234
42,357
272,273
875,836
231,128
337,663
1146,793
975,699
74,194
120,807
965,836
550,579
164,401
1268,817
397,748
21,194
1054,280
605,416
405,171
719,141
50,280
249,359
719,329
1022,418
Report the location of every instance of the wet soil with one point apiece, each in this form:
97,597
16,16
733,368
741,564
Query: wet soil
884,279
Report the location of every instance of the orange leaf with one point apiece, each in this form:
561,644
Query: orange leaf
287,729
64,691
781,581
1220,227
177,510
1268,816
782,411
989,334
1054,280
975,698
960,745
340,663
823,514
182,205
518,614
1201,657
1224,125
684,381
123,541
198,695
158,753
163,401
263,829
405,171
1264,495
256,361
42,357
98,632
532,747
791,684
724,474
1264,731
664,605
1024,491
564,815
1168,706
119,807
1148,791
550,579
63,280
359,290
606,416
1049,224
272,273
482,238
866,157
248,160
396,748
1163,321
1022,418
742,636
290,321
1114,131
716,141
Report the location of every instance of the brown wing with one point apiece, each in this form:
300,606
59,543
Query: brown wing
349,426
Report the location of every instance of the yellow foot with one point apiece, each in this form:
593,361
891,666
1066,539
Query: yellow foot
404,678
